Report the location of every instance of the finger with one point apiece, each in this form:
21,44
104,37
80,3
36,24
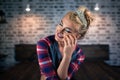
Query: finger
65,41
71,39
68,40
74,39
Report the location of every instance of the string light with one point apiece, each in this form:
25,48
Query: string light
28,8
96,7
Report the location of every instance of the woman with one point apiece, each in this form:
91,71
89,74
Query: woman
59,56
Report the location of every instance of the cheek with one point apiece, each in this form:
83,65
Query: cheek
58,29
57,26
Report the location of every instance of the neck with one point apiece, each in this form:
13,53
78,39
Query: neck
61,46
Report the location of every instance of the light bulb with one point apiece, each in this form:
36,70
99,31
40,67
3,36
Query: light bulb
28,8
96,7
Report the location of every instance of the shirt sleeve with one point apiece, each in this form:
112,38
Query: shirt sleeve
75,63
45,62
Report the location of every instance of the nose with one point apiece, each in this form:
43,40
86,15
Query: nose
62,31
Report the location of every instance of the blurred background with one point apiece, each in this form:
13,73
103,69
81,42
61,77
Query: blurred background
27,21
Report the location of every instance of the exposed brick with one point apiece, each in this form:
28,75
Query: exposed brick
29,27
40,28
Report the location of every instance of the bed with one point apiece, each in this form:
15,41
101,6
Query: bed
93,68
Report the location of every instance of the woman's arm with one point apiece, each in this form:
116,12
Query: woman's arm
73,65
69,47
68,67
63,68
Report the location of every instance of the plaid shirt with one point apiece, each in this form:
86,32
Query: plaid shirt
46,64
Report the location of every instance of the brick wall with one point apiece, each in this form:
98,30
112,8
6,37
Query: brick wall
29,27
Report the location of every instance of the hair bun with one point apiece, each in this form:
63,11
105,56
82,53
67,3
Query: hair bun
87,14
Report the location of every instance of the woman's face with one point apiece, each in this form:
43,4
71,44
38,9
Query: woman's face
66,27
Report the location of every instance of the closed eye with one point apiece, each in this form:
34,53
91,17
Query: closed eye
68,30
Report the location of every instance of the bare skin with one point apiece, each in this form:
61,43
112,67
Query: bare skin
67,45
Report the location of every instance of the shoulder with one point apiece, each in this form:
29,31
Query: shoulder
46,41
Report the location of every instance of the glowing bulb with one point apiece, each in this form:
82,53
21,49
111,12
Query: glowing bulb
28,8
96,7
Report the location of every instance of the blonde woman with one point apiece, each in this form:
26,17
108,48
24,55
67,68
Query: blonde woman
59,56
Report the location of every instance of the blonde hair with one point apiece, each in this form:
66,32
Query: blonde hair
73,16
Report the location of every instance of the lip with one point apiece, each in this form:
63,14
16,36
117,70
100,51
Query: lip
59,35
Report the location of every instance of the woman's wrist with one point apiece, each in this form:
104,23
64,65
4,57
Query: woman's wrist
67,56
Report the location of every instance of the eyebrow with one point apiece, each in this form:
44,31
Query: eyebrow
61,21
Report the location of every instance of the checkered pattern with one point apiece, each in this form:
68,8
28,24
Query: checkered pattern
45,61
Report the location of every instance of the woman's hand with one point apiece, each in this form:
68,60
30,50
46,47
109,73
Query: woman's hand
69,45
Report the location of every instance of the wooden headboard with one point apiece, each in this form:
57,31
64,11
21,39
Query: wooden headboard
96,52
27,52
